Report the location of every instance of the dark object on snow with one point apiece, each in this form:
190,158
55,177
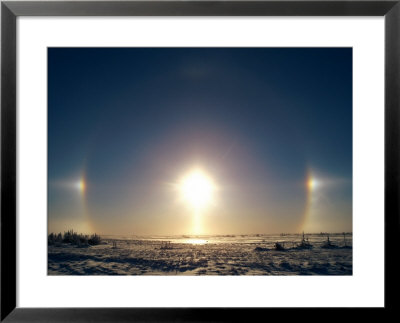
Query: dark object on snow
166,245
71,237
94,240
328,244
279,247
304,244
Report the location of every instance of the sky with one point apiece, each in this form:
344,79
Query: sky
267,131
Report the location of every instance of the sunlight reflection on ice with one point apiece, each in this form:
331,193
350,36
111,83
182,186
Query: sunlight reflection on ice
195,241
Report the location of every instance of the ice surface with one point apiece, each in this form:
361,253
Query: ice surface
205,255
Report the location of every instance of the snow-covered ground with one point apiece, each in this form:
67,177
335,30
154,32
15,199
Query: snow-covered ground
205,255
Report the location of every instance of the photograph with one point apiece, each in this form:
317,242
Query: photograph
200,161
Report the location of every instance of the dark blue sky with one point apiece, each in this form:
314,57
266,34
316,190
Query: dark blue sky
130,122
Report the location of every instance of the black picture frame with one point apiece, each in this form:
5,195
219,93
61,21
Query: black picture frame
10,10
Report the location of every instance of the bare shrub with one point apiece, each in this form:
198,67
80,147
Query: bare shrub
73,238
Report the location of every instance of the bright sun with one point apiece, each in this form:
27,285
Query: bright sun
197,189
